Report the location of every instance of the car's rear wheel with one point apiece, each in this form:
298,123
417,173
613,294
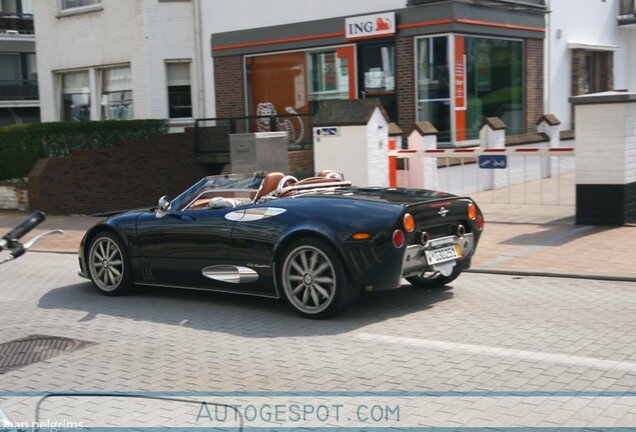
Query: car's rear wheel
314,280
108,264
435,279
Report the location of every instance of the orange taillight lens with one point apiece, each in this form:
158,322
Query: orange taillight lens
361,236
409,223
471,211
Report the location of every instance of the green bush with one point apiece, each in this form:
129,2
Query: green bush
22,145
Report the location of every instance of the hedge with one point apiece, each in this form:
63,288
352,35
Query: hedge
22,145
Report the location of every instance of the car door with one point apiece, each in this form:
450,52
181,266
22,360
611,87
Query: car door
177,248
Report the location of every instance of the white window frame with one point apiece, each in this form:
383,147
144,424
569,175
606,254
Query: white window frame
99,86
60,79
62,11
190,64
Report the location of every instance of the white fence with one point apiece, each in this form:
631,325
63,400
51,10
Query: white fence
537,169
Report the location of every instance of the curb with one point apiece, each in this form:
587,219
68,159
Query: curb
554,275
53,251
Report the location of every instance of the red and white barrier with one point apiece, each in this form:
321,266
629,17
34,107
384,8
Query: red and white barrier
477,151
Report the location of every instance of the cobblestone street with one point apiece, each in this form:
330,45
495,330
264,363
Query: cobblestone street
490,351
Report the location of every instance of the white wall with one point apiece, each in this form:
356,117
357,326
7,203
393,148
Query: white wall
223,15
340,153
592,22
141,33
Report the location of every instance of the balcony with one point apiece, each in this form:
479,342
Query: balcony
18,90
16,24
626,14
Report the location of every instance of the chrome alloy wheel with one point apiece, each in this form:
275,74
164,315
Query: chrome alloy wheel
309,279
106,264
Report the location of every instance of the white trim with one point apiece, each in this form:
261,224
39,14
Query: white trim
592,47
78,10
31,103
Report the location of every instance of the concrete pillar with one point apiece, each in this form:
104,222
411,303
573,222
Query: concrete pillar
551,126
493,135
422,172
605,158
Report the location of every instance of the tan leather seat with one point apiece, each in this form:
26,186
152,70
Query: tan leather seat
330,174
268,185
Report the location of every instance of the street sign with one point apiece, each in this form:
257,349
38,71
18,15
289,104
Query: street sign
328,131
493,161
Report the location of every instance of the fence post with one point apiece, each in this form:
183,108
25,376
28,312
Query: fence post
493,135
395,142
422,171
551,126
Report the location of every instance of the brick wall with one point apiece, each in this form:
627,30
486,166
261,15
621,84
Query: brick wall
534,81
405,82
127,176
228,77
301,161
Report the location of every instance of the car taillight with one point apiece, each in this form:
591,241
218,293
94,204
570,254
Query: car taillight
409,223
471,211
480,222
398,238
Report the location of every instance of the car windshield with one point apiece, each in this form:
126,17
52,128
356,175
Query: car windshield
234,182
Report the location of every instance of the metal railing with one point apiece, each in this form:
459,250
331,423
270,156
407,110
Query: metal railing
212,135
19,90
11,22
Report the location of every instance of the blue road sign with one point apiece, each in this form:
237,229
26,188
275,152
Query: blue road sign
493,161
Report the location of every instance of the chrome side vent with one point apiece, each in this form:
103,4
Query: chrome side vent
230,274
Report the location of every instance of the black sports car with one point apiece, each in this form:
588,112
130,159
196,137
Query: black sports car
315,242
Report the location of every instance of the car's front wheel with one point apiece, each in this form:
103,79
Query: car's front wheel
435,279
314,279
108,264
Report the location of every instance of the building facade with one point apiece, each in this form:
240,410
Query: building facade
452,63
589,51
19,101
118,60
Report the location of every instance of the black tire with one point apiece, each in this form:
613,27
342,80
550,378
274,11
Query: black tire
435,280
109,265
314,280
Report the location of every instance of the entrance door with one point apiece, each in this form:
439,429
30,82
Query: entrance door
376,74
433,85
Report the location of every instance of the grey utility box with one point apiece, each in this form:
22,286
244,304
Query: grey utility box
261,151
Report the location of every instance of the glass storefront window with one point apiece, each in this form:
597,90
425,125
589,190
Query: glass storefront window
328,76
278,87
433,84
76,98
491,84
292,84
494,83
117,101
376,76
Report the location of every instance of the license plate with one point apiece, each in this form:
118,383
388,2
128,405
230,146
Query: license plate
437,256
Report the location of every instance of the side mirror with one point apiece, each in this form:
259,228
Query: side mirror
163,206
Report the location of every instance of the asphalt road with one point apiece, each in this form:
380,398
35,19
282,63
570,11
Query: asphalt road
491,351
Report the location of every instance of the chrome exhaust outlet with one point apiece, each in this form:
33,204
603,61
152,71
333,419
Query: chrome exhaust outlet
424,238
461,230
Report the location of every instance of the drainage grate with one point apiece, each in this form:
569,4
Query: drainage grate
36,348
